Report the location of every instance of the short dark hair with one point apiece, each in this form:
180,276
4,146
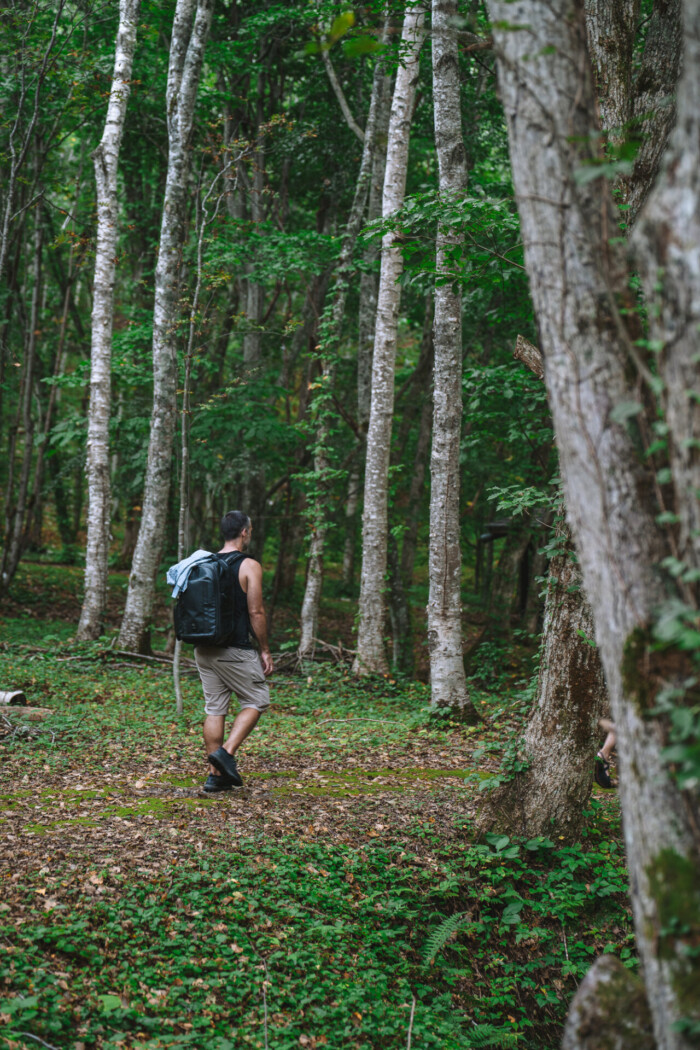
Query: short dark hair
233,523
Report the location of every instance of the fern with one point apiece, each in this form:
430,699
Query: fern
488,1035
440,936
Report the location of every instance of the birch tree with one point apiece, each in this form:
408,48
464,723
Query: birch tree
184,71
106,160
371,654
366,315
592,364
447,678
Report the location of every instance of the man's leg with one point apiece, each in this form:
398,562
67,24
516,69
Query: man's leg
243,725
213,736
607,748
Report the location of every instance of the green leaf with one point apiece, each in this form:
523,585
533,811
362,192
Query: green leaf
361,45
109,1003
625,410
341,25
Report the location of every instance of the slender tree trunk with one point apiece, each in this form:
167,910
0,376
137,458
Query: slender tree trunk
331,327
448,685
415,492
367,313
15,507
106,160
371,655
577,280
254,484
186,56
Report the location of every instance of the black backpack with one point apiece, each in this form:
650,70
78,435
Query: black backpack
205,609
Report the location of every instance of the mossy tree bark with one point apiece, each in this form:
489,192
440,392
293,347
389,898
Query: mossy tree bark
559,742
589,339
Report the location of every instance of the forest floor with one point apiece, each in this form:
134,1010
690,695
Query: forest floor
339,899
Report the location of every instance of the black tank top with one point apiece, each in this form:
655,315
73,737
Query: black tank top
239,637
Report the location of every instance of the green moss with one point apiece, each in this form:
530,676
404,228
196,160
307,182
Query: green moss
635,682
675,887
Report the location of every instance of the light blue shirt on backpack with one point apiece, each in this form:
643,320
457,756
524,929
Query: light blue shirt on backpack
179,574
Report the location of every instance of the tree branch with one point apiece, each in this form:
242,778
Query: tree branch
335,84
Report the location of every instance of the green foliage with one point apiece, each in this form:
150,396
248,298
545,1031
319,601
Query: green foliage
158,921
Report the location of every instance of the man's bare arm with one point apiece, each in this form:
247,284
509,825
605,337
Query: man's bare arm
256,610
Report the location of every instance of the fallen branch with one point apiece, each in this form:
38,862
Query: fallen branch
391,721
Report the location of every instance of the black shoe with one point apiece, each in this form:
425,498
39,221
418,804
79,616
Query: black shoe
601,774
220,783
226,764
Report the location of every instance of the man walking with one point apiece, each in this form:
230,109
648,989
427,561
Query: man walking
234,666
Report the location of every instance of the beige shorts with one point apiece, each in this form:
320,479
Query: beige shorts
227,670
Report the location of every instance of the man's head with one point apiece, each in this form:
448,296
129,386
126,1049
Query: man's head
236,525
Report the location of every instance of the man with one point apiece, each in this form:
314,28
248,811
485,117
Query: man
235,666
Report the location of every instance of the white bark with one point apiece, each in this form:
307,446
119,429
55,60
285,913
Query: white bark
106,160
330,334
184,71
576,277
371,654
367,312
448,686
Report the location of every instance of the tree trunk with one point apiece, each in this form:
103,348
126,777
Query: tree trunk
562,733
15,507
610,1000
367,313
331,326
415,492
254,485
399,613
577,280
371,655
448,684
186,56
106,160
667,239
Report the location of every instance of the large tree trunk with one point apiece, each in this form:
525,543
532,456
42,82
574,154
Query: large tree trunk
371,655
186,57
106,160
448,685
560,738
667,239
578,281
331,326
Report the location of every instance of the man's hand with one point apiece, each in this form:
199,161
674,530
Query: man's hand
266,661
